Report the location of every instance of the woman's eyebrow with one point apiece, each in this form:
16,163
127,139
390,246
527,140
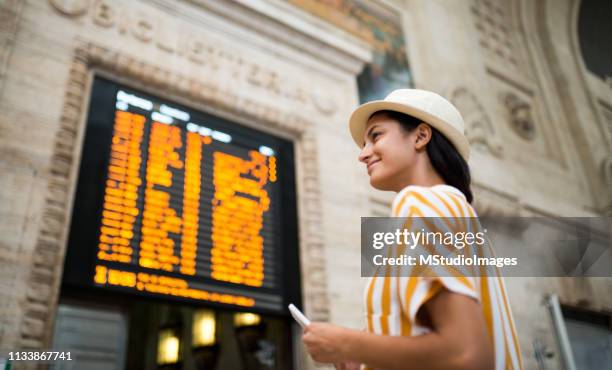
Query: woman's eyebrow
369,132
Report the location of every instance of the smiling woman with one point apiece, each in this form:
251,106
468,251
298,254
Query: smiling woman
444,163
413,143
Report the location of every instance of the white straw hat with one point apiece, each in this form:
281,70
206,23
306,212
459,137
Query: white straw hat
425,105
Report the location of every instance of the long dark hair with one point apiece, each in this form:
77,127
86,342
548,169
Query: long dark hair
445,159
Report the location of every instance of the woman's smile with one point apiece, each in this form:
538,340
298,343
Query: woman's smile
371,164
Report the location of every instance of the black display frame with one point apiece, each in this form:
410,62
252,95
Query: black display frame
86,218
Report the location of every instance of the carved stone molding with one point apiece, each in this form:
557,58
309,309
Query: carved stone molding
495,30
478,127
520,115
211,53
607,116
490,203
48,255
606,168
10,16
504,209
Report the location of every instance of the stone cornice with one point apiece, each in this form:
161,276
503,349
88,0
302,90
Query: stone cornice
284,23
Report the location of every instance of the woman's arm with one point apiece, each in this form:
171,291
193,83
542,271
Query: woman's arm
459,340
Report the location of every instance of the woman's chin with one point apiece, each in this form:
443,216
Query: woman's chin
379,183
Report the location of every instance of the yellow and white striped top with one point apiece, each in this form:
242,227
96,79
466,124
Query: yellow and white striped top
392,301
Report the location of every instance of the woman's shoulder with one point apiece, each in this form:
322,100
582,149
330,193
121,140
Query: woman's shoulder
434,201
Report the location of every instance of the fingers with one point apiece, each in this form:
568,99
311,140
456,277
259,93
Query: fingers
309,340
309,327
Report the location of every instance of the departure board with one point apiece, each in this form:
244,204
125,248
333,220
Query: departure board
175,203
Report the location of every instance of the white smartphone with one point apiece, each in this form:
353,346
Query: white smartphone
298,316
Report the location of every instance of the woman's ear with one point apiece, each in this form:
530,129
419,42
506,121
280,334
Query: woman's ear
423,136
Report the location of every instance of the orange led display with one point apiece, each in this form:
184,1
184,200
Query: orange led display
159,219
121,191
191,203
237,252
238,204
184,208
165,285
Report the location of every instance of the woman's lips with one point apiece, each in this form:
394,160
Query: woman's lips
372,164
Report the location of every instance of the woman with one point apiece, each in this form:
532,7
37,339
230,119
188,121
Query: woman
413,143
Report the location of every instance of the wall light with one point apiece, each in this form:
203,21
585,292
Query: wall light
204,328
168,347
246,319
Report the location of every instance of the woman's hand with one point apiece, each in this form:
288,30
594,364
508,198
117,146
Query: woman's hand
327,343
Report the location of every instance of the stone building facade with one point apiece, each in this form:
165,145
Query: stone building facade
539,121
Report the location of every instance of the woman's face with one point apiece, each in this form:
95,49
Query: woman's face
389,153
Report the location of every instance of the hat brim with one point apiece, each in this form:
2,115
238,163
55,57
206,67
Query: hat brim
361,115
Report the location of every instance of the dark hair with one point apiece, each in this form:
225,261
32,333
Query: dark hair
445,159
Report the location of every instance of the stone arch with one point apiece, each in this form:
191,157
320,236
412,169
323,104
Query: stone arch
550,29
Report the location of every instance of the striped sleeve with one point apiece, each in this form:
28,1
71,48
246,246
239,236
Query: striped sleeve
432,210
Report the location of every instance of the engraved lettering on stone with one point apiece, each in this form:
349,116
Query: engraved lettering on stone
202,53
143,29
71,8
229,61
265,78
147,29
124,24
195,51
254,76
164,40
104,14
237,65
520,114
322,100
272,82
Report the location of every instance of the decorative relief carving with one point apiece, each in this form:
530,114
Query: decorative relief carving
494,25
607,115
35,330
478,127
504,209
606,168
520,115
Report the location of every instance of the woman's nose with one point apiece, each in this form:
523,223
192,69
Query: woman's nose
365,153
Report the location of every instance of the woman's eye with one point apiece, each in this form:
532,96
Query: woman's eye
375,135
